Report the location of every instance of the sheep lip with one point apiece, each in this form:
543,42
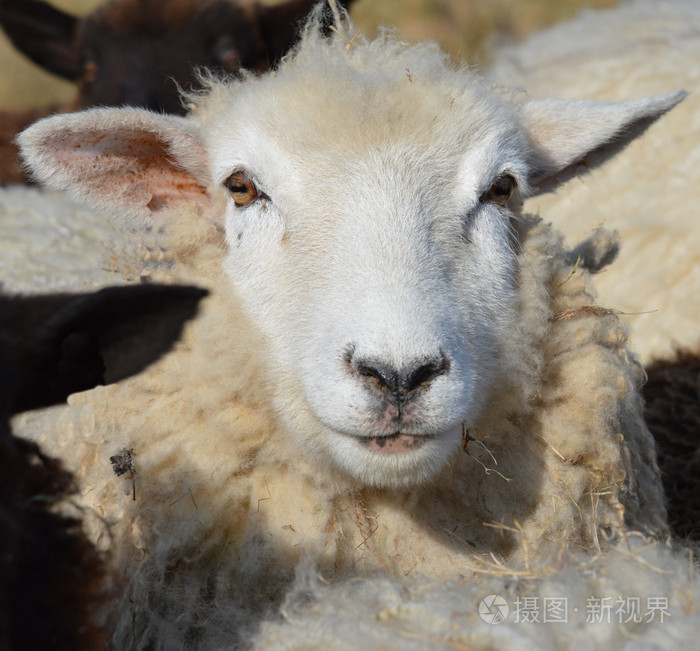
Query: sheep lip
395,443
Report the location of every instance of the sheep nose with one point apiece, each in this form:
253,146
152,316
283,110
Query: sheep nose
400,383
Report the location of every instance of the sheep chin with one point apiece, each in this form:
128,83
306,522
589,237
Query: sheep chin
403,461
398,443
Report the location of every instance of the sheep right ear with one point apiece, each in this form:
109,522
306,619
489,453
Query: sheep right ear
129,162
43,34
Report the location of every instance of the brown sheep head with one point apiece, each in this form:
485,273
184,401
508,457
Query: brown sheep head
141,52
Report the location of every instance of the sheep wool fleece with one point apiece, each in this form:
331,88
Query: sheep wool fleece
226,506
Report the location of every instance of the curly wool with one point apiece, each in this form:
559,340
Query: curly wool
634,597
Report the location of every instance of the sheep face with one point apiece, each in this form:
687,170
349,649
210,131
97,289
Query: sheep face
384,295
368,197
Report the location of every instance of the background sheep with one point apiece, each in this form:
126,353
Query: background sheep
649,194
557,455
52,345
672,412
104,52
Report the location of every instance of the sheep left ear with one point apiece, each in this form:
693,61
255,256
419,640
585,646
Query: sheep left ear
567,133
128,162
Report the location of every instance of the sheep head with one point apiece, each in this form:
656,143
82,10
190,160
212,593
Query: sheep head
368,195
141,52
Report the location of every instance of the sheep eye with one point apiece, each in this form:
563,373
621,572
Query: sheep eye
90,71
242,189
228,57
224,53
501,190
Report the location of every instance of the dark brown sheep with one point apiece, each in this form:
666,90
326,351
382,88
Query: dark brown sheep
672,412
51,576
141,52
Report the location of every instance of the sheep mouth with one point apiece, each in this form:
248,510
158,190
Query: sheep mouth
395,443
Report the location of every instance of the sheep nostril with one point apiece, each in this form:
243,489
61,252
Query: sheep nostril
402,382
425,373
387,378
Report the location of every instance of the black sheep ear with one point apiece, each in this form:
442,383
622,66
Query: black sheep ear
280,24
66,343
43,34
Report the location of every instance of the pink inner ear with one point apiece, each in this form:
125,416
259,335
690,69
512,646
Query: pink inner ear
133,171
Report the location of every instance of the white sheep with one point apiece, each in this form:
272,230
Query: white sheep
650,194
397,372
